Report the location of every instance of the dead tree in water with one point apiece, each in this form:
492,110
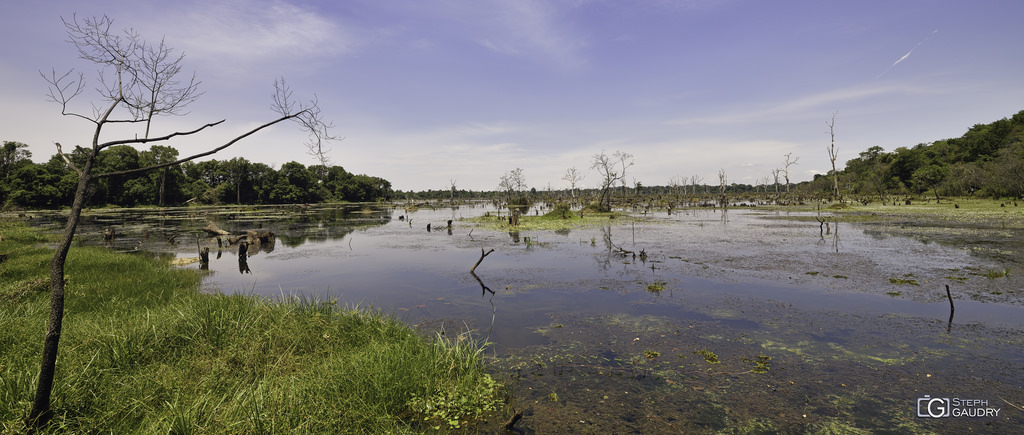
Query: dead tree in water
723,183
833,154
482,255
789,162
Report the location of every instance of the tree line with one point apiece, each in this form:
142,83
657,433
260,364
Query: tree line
25,184
987,161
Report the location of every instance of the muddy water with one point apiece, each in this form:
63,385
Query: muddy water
744,322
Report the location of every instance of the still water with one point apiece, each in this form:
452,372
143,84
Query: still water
739,321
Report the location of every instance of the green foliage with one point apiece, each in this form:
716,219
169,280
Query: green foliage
144,352
762,363
236,181
709,356
656,287
454,406
987,160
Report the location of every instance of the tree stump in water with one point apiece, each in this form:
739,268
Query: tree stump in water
243,262
204,258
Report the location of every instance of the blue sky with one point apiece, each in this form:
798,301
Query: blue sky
427,92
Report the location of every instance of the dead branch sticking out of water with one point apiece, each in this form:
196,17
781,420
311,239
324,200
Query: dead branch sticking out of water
821,225
516,416
482,255
950,297
949,325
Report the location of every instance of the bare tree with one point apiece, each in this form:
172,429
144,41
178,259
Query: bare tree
452,199
513,183
137,83
625,160
675,183
833,154
764,182
694,180
574,177
775,175
606,166
723,182
789,161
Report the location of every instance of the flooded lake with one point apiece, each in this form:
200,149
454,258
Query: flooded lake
748,321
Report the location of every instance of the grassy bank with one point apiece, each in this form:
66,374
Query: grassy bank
144,352
551,221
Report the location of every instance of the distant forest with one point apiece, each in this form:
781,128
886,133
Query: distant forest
987,161
236,181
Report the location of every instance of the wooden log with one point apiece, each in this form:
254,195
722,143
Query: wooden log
213,230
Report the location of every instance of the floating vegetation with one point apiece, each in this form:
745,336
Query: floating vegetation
903,281
656,286
846,354
651,354
894,293
993,273
813,273
840,277
708,356
762,363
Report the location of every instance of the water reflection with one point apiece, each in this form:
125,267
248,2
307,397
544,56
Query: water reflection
484,291
726,289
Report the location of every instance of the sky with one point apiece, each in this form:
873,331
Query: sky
426,93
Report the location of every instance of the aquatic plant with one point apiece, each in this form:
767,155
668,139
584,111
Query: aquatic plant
762,363
994,273
708,356
656,286
903,281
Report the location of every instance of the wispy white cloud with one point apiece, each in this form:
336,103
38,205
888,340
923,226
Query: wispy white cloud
798,107
526,28
241,34
905,56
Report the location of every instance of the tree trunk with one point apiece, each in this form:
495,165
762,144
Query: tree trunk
163,182
41,412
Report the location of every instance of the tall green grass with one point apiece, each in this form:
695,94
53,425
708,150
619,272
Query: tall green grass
144,352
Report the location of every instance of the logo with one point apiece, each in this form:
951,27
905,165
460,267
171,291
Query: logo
941,407
933,407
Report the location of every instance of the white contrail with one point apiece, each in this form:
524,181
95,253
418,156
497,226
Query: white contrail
905,56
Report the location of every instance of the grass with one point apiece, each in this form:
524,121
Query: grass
550,221
144,352
964,210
